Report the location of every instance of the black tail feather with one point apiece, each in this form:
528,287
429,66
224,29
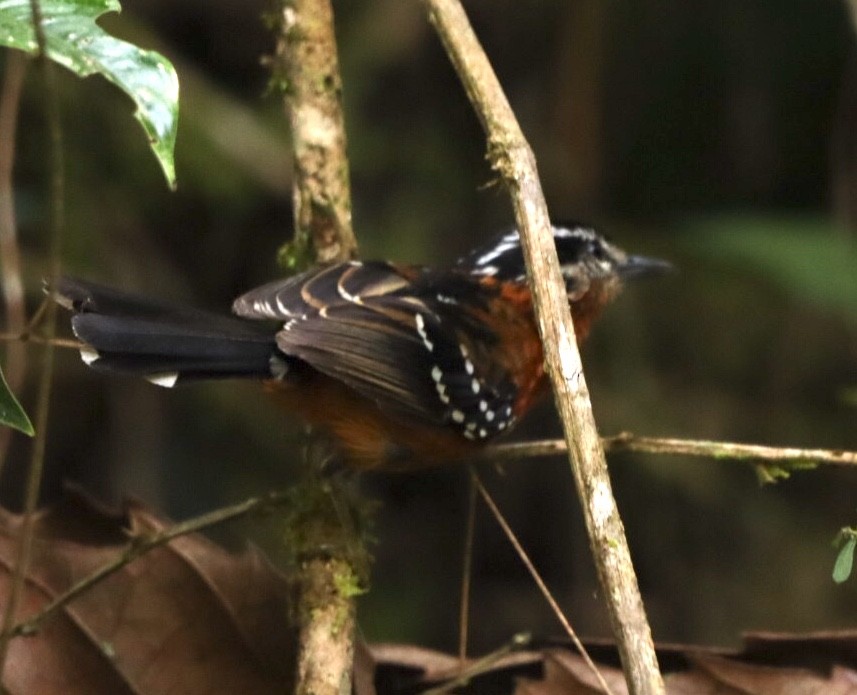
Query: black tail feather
163,342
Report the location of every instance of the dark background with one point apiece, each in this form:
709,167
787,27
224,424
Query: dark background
719,135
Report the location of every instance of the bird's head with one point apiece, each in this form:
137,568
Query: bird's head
586,259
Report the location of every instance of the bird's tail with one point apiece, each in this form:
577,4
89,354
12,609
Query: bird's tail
165,343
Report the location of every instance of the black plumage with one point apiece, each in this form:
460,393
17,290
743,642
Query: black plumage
396,334
456,349
125,333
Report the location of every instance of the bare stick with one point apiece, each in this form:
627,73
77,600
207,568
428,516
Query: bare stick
40,340
537,578
307,63
37,457
466,574
481,665
10,253
511,156
140,546
733,451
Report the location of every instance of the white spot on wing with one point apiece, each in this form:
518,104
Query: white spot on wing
421,330
441,392
457,416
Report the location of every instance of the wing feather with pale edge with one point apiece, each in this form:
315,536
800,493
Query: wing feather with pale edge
384,331
346,322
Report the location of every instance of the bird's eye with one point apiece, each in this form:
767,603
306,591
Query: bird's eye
599,253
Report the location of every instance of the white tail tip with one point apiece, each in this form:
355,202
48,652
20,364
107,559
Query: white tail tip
165,379
88,355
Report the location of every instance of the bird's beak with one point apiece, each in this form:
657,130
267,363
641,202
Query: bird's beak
637,266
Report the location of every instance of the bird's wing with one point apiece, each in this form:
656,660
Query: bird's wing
383,331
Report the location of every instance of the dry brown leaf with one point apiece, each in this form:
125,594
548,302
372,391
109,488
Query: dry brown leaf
770,680
191,618
566,673
185,618
771,664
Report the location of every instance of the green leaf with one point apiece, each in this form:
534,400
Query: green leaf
11,412
844,560
805,256
75,41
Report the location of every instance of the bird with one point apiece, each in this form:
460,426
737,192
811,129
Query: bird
404,365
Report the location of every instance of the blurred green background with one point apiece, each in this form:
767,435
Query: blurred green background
719,135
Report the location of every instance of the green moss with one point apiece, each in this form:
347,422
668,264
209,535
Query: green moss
296,255
348,583
769,473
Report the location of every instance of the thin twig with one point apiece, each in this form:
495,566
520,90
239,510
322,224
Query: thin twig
10,253
512,158
481,665
141,545
466,573
732,451
37,457
69,343
537,578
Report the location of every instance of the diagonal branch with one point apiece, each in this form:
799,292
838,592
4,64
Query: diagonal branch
511,156
537,578
142,545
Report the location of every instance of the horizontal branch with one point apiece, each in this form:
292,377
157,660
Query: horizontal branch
40,340
683,447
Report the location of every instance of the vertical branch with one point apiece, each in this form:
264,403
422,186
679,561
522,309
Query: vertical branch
308,70
511,156
37,456
10,254
330,570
